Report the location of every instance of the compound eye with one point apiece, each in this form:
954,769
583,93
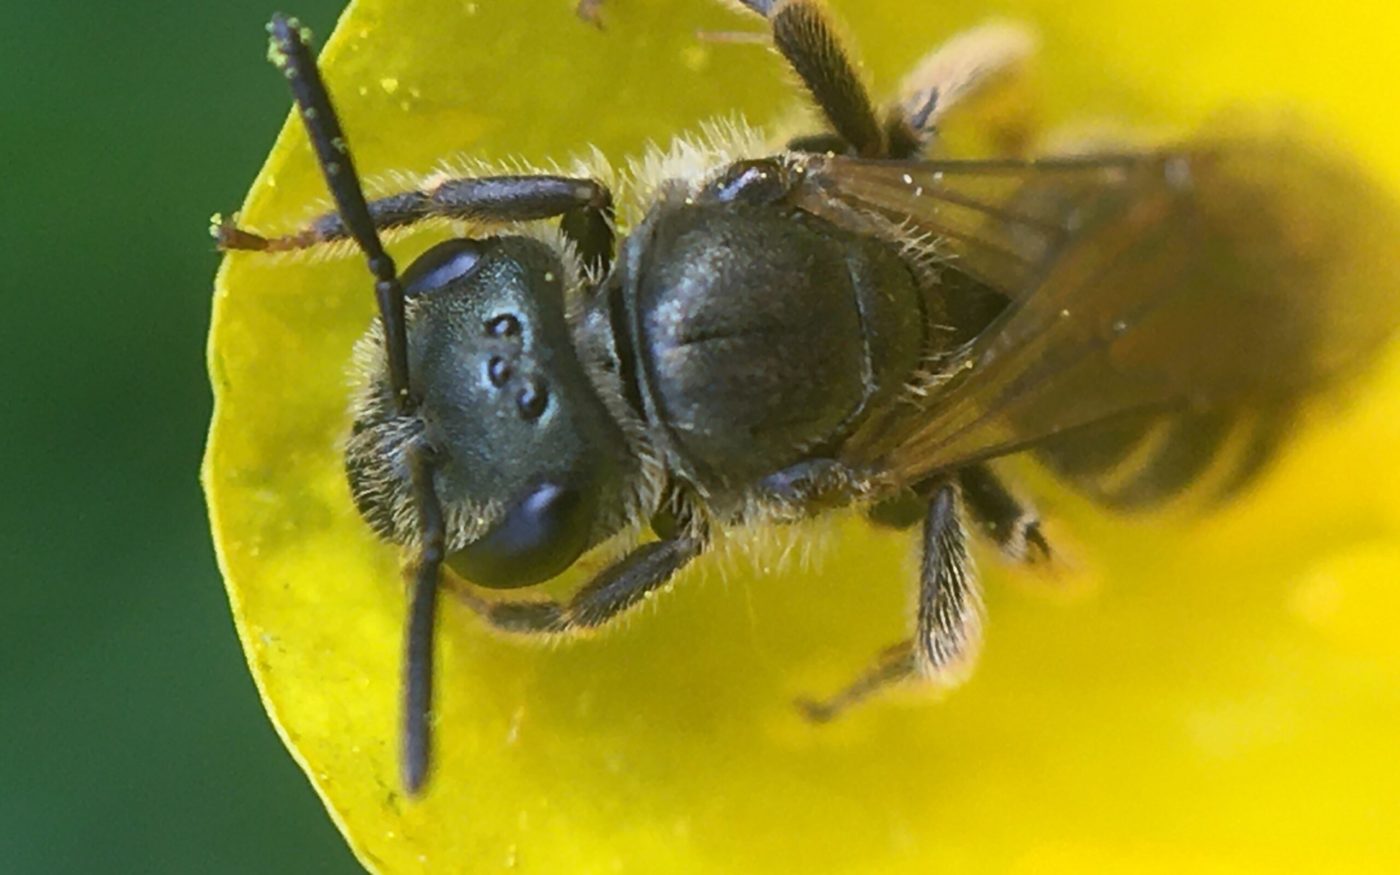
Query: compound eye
444,264
539,537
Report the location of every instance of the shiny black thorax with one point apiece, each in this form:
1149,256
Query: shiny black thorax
758,336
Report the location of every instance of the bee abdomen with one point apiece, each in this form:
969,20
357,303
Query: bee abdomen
1144,461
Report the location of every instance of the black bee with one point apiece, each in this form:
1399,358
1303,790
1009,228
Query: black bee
838,323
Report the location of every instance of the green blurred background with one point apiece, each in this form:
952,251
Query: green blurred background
131,738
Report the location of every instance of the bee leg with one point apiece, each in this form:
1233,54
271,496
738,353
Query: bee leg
948,634
902,511
820,144
894,665
966,66
590,11
1010,523
809,486
583,206
802,35
617,588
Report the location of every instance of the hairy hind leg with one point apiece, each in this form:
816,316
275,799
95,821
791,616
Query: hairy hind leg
968,66
804,36
955,77
948,632
1008,521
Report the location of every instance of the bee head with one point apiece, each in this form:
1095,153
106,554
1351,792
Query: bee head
524,455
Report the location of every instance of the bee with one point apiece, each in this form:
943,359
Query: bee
843,323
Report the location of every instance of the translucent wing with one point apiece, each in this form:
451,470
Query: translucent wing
999,221
1237,276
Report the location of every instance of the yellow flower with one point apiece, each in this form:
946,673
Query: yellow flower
1225,697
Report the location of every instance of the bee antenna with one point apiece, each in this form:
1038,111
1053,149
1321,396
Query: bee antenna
418,643
290,50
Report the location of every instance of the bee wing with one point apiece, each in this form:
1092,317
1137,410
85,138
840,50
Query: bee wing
999,221
1191,279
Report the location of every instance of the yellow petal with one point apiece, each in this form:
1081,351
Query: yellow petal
1226,698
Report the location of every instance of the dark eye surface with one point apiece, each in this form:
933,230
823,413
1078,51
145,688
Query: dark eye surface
539,537
444,264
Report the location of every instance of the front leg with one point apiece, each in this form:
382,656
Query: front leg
948,635
617,588
583,206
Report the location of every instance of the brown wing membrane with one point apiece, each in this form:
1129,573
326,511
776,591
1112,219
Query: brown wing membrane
1238,276
999,221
